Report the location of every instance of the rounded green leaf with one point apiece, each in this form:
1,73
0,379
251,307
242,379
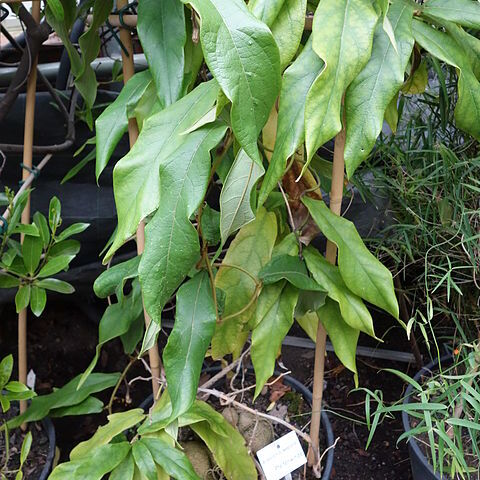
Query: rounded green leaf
38,300
22,298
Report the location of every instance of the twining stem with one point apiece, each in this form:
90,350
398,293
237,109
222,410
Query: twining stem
119,382
128,71
27,161
336,195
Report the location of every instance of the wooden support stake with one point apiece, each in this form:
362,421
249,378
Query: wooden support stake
128,72
336,195
27,161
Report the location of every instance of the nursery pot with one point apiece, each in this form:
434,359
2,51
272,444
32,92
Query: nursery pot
49,430
421,467
307,395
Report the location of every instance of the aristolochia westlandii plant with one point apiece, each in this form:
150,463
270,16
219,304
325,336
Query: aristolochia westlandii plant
268,95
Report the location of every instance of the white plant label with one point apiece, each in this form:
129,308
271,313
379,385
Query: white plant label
31,379
281,457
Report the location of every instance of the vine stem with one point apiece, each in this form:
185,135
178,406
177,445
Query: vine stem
117,386
336,194
25,219
128,71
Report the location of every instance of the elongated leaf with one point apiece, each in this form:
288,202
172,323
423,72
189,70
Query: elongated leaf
22,298
8,281
65,247
344,43
370,93
251,76
27,229
144,460
230,452
42,225
236,195
250,250
68,395
275,308
55,265
297,80
98,463
362,273
172,460
353,310
6,368
463,12
202,411
470,44
74,229
125,470
87,407
55,285
38,300
189,340
136,177
110,279
113,121
57,9
344,338
290,268
117,423
171,242
442,46
161,29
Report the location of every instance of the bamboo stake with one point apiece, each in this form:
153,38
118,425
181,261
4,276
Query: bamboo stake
27,161
128,72
336,195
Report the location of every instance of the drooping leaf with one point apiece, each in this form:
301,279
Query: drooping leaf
250,250
462,12
189,340
442,46
171,242
344,43
236,195
309,323
172,460
38,300
136,176
297,80
470,44
370,93
251,77
98,463
144,460
108,281
353,310
362,273
274,317
161,29
125,470
202,411
117,423
22,298
290,268
230,453
55,285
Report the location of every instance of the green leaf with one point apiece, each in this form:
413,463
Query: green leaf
6,368
250,250
26,229
56,8
98,463
113,121
344,338
172,246
362,273
110,279
136,177
32,248
117,423
236,195
87,407
354,311
470,44
65,247
38,300
55,265
150,337
251,77
290,268
230,453
55,285
463,12
309,301
344,43
125,470
74,229
22,298
144,460
442,46
189,340
297,80
42,225
8,281
210,222
161,29
66,396
89,157
463,422
309,323
25,450
202,411
54,211
274,317
370,93
116,321
172,460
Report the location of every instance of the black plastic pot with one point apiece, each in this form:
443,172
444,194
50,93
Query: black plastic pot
307,394
50,432
421,467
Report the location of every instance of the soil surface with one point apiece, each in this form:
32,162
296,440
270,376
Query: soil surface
62,344
32,468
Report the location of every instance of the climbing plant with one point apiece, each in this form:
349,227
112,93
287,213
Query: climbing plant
237,99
